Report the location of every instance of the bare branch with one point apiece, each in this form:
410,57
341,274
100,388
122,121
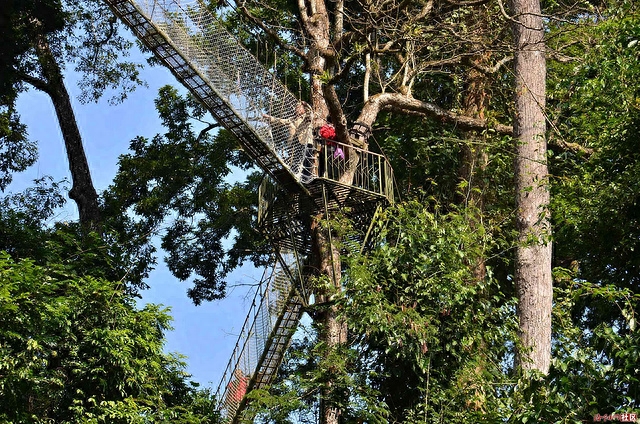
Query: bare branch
568,146
505,14
335,110
495,68
408,105
468,3
304,14
338,27
345,68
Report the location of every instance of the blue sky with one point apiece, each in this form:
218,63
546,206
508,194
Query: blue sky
205,334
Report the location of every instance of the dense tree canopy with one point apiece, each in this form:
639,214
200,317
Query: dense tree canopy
177,184
76,349
431,307
74,344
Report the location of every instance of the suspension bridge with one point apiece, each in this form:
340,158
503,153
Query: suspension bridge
302,178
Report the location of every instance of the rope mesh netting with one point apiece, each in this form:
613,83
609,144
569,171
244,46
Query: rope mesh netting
256,96
264,338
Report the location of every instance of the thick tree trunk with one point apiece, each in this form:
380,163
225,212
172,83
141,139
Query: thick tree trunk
333,331
474,160
473,156
82,192
533,256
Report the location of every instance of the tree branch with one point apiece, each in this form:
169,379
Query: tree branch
37,83
493,69
467,3
206,130
339,121
567,146
409,105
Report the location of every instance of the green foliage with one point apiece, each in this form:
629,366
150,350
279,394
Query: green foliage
423,158
595,196
17,24
180,180
17,153
28,230
432,340
99,52
76,349
310,368
434,336
80,32
24,218
593,372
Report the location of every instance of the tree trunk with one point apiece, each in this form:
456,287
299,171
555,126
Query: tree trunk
82,192
326,256
333,331
474,160
533,254
473,155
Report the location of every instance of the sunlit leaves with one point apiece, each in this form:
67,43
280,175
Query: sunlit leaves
77,349
420,313
596,197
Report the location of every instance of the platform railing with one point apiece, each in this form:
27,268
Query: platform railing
355,167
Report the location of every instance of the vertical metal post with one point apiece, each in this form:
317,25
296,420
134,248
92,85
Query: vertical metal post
380,173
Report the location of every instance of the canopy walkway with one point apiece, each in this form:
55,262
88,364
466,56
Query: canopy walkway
234,86
265,336
306,176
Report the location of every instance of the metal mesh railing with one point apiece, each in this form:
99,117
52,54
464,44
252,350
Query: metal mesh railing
356,168
256,96
263,326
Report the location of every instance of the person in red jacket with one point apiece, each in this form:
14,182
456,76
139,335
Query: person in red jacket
332,162
327,131
237,387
